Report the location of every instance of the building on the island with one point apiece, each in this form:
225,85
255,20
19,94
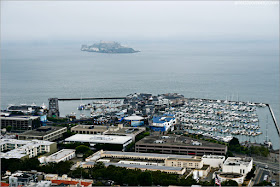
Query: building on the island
48,133
20,123
163,123
62,155
179,145
237,165
111,141
21,149
215,161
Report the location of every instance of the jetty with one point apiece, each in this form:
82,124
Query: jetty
90,98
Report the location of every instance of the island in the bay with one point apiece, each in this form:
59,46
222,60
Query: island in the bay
108,47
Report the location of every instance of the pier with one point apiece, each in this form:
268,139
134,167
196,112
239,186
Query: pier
274,119
90,98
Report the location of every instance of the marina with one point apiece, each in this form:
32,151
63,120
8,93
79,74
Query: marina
216,119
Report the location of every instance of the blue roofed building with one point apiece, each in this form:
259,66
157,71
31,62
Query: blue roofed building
163,123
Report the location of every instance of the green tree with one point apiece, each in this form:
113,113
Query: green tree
131,179
229,183
9,128
82,149
145,178
233,142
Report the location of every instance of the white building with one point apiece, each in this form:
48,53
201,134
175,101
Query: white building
163,123
151,161
24,148
239,178
237,165
100,139
215,161
62,155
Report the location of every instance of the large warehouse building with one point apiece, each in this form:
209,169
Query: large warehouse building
93,140
179,145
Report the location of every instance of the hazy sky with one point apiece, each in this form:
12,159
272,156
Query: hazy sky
87,20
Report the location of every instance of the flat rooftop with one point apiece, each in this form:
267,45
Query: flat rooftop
177,141
126,130
24,118
98,139
21,151
61,154
236,161
140,166
41,131
147,155
93,127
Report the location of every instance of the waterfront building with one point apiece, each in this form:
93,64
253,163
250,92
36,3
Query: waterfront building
47,133
20,123
25,109
163,123
179,145
25,149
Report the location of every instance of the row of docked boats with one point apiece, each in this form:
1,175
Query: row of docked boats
95,104
214,118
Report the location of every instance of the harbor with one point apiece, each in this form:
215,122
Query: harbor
216,119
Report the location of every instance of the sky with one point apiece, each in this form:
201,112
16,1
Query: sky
138,20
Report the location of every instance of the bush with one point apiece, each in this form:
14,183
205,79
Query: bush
229,183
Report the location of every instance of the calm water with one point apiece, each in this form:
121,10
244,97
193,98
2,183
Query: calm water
248,71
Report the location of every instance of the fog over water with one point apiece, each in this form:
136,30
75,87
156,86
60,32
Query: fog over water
211,50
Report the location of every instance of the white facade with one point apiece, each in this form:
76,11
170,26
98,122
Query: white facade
237,165
239,179
62,155
95,139
215,161
139,163
23,148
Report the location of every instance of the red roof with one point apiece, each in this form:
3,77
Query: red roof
4,184
65,182
86,183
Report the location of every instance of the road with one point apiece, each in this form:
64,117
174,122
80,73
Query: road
260,175
271,165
